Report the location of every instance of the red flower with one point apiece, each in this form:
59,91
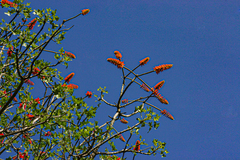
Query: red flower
137,146
69,77
118,158
72,86
85,11
160,97
121,138
29,82
125,101
30,141
116,62
118,55
144,87
35,71
162,67
144,61
10,51
20,106
124,121
69,54
167,114
37,100
1,134
48,133
8,2
30,116
23,155
32,24
89,94
159,85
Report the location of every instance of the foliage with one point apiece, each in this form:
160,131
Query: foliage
58,124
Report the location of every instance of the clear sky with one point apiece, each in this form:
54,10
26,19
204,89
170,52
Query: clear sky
201,38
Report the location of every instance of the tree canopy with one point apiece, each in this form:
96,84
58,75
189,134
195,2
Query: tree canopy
59,124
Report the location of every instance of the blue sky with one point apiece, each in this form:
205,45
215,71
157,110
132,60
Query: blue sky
199,37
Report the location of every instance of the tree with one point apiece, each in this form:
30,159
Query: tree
58,124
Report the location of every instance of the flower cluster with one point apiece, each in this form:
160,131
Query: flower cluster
89,94
30,117
69,77
35,71
21,106
124,121
29,82
137,146
21,155
116,62
167,114
159,85
125,101
10,51
48,133
1,134
121,138
32,23
118,55
162,67
85,11
70,86
69,54
144,87
9,3
37,100
144,61
160,97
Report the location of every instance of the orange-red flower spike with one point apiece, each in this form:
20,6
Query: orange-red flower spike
137,146
8,2
125,101
10,51
69,54
121,138
72,86
30,116
144,61
29,82
118,55
124,121
69,77
144,87
159,85
32,24
167,114
160,97
85,11
116,62
162,67
89,94
35,71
